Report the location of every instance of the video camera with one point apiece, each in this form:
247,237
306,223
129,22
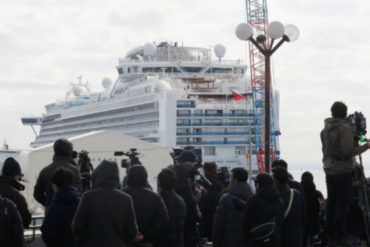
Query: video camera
357,122
132,155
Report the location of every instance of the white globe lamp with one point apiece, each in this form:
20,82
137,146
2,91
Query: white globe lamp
244,31
292,32
275,30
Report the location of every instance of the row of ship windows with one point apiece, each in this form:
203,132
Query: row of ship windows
211,151
136,69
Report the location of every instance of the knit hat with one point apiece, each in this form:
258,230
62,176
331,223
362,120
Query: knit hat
264,179
11,168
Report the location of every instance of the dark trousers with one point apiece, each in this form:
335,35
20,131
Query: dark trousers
340,194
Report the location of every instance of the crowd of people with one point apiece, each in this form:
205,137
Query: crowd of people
188,210
184,212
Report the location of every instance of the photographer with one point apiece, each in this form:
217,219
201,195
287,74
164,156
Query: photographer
338,147
86,168
184,168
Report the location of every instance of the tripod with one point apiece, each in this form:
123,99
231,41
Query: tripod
362,196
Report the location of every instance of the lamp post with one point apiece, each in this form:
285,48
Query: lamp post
275,31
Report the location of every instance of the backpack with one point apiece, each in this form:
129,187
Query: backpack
334,149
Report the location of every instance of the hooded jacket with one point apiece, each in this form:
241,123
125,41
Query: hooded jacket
338,130
11,227
9,188
150,210
228,218
56,227
43,192
264,206
105,216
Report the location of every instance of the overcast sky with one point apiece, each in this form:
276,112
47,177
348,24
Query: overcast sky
45,44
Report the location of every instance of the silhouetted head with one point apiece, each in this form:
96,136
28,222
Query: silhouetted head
62,176
238,174
63,147
167,179
137,176
281,176
339,110
210,167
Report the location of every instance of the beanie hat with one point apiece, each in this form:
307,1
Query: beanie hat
11,168
264,179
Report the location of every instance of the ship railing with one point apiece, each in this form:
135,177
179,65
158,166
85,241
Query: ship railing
214,124
211,133
249,114
34,229
214,143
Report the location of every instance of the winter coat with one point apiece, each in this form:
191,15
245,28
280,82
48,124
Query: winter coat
43,192
338,130
228,219
215,191
11,226
173,234
312,197
263,207
56,227
150,210
9,188
105,216
293,224
185,189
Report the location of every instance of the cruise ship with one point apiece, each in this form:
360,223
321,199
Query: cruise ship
166,94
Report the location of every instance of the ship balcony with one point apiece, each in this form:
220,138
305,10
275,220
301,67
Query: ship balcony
212,133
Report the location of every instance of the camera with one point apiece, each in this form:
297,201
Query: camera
357,122
132,155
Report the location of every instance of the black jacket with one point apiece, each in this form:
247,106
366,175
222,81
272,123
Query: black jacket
56,227
105,216
215,191
9,188
261,208
43,192
293,223
11,227
228,219
312,197
184,188
173,234
150,210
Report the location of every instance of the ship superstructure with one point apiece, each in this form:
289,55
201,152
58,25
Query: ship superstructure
166,94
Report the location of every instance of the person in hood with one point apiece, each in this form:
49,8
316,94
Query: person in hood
263,209
43,191
312,198
150,210
56,227
228,218
294,210
10,188
339,149
105,215
173,234
11,226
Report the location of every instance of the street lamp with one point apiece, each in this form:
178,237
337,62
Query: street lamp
275,31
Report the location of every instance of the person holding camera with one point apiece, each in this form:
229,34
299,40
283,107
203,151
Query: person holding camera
339,149
86,168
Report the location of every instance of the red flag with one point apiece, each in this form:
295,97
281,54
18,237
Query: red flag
237,96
